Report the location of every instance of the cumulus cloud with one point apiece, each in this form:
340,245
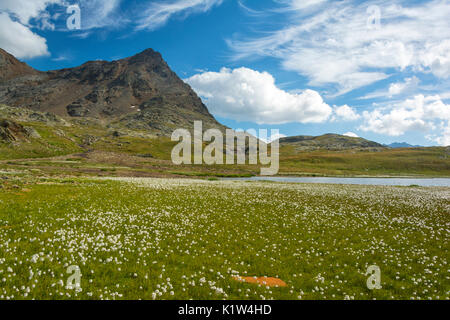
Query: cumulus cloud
19,40
401,87
418,114
247,95
333,44
351,134
394,123
16,35
408,86
345,113
21,18
444,138
437,58
25,10
159,13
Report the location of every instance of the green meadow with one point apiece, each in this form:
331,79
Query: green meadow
88,146
186,239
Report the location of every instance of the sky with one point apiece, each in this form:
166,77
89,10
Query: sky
374,69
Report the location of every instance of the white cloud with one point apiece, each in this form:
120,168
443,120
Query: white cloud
247,95
19,40
159,13
20,17
402,87
101,13
351,134
437,58
303,4
272,137
24,10
394,123
444,139
333,44
94,13
61,58
418,114
16,36
345,113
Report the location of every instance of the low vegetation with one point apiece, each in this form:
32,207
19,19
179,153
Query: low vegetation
183,239
386,162
139,153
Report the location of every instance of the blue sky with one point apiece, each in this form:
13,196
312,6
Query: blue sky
375,69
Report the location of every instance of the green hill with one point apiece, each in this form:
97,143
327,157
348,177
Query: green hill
330,141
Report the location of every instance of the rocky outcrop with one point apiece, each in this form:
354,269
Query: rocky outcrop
26,115
11,131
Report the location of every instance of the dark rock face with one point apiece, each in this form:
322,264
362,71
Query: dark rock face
77,110
140,91
11,131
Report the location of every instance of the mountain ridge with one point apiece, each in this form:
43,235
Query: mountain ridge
139,92
397,145
329,141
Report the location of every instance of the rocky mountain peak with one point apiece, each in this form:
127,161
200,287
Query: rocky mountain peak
147,54
141,90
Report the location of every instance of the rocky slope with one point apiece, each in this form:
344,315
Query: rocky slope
11,68
139,92
11,131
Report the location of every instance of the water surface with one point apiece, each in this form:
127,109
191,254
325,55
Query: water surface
426,182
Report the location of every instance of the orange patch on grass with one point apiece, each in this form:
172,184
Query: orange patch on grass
264,281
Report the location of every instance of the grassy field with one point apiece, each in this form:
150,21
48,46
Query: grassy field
182,239
389,162
137,161
139,154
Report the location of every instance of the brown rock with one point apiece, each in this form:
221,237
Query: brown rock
264,281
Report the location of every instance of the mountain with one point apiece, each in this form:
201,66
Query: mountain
11,68
140,93
397,145
328,142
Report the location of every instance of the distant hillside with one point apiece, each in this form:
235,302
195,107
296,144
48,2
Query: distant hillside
83,147
140,92
25,133
397,145
332,142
